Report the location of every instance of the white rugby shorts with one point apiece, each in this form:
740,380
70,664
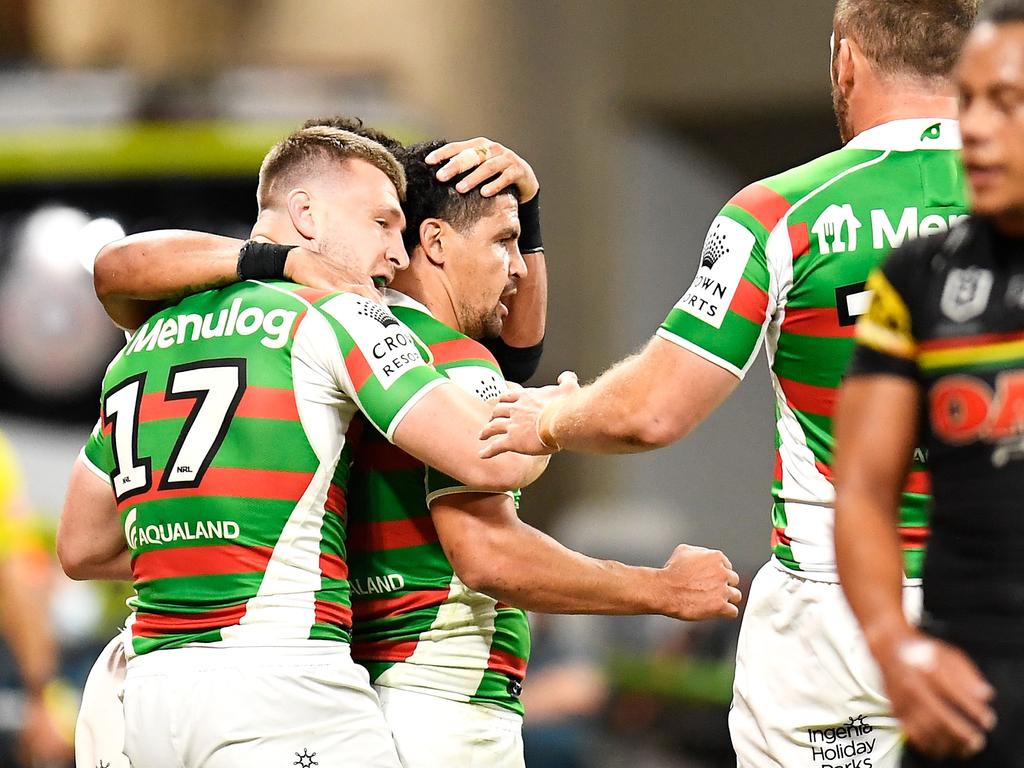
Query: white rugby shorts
259,707
807,691
434,732
99,732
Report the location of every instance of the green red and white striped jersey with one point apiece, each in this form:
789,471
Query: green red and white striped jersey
785,263
223,434
415,625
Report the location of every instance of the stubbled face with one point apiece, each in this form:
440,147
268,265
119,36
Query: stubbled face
990,80
360,222
484,268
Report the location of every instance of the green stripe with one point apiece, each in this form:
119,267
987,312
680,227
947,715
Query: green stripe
734,342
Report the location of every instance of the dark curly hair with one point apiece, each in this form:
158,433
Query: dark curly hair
428,198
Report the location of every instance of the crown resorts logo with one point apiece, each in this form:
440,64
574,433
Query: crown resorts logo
714,247
375,312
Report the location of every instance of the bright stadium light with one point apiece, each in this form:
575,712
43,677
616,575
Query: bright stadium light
54,337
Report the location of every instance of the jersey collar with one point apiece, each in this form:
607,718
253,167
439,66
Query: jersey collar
395,298
909,135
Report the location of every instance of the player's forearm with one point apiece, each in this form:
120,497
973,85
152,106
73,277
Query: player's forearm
870,563
875,426
521,566
24,593
609,416
133,276
527,308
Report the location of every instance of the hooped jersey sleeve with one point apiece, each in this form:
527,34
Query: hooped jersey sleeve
380,367
885,333
97,453
486,382
721,316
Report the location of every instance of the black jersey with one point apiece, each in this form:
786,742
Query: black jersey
948,312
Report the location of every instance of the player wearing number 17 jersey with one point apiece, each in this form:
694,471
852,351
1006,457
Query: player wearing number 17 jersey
785,265
223,438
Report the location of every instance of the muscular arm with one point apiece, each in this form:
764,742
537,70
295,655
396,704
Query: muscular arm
90,542
134,276
939,695
494,552
647,401
441,430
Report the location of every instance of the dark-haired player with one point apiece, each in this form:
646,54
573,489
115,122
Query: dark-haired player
218,472
941,352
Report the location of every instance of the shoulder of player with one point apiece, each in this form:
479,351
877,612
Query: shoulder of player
760,206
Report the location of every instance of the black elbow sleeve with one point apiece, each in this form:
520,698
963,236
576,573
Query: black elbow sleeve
518,364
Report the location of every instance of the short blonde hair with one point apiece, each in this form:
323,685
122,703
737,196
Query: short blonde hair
915,38
298,153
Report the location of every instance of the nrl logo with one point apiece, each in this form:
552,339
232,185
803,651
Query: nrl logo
966,293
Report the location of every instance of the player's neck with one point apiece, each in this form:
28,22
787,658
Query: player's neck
276,228
902,104
429,286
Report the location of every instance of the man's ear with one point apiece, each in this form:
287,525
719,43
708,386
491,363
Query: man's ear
300,211
432,236
848,57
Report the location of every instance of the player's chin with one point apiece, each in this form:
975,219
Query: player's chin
494,323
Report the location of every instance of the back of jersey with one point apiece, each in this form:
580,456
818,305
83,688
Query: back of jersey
907,181
233,514
786,263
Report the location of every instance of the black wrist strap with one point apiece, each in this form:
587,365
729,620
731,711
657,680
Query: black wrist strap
262,260
529,221
517,363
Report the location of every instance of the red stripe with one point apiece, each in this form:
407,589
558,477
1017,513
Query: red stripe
268,403
777,472
156,625
384,650
919,481
800,239
507,663
764,204
914,538
454,350
333,613
209,560
155,408
396,606
392,534
312,295
357,367
381,456
298,322
816,321
809,398
971,341
230,481
333,566
256,403
749,302
336,501
779,537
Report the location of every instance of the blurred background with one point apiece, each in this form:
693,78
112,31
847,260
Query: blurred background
640,117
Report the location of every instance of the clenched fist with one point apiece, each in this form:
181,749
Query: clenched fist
699,583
